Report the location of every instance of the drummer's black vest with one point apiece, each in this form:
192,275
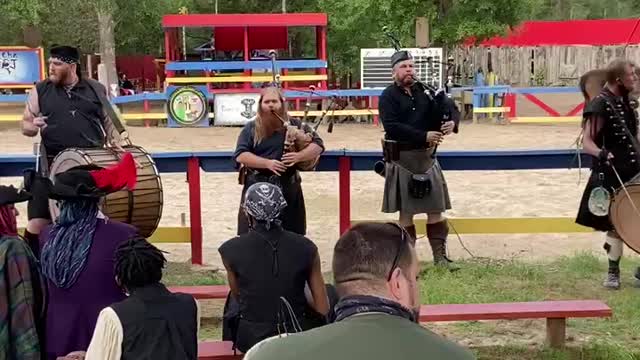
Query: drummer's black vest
74,119
158,324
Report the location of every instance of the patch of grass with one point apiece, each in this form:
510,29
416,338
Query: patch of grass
184,274
597,351
568,278
485,281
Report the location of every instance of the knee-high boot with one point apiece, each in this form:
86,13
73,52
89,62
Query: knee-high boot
437,234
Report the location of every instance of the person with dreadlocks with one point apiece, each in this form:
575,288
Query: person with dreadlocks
21,287
77,253
607,119
266,265
152,323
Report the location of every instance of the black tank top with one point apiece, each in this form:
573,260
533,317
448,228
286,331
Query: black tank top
74,117
268,265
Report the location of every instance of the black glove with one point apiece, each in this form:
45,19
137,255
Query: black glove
603,156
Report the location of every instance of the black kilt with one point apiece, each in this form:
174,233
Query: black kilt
293,217
611,183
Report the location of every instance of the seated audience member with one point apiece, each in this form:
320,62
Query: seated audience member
375,269
77,255
152,323
265,264
21,288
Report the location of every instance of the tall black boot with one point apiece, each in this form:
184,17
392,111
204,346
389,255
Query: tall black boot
437,234
613,275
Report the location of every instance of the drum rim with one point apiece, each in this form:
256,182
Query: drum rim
614,210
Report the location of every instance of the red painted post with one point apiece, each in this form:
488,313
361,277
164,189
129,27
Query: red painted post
168,48
511,103
246,85
344,197
323,53
146,111
195,209
374,105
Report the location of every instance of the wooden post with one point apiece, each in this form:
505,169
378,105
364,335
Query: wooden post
195,209
344,191
147,108
422,32
556,332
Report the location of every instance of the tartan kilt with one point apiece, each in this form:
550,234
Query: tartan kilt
398,174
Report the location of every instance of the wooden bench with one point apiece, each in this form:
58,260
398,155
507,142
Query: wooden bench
556,313
217,350
203,292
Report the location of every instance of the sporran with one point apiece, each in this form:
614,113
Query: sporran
599,199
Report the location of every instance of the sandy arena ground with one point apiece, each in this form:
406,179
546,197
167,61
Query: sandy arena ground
474,194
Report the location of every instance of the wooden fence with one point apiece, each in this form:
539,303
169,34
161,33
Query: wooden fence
539,66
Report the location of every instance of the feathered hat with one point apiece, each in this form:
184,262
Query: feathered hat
93,181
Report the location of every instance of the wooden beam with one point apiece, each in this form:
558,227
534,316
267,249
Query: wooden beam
236,79
422,32
546,119
167,235
516,225
486,110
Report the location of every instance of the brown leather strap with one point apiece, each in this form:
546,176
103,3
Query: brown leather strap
107,106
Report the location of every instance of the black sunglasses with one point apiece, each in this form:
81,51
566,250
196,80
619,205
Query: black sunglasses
403,243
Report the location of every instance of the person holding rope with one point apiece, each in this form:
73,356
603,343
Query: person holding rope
414,126
615,155
260,150
66,111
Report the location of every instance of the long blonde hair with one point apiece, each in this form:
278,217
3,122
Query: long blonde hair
267,124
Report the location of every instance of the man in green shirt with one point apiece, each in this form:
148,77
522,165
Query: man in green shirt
375,269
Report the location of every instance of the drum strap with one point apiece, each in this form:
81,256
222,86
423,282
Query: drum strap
108,107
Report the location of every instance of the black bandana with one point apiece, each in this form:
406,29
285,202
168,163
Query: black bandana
360,304
67,54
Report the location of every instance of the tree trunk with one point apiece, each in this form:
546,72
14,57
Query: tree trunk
108,48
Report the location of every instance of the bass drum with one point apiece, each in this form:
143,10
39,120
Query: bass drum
624,213
141,208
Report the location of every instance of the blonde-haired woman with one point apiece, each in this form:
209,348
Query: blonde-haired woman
260,149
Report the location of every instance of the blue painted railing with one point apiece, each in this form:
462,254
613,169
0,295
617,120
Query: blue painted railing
244,65
478,90
176,162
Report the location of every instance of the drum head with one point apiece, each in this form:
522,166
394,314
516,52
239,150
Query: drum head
141,207
625,218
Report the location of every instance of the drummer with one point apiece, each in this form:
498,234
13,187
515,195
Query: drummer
613,153
67,113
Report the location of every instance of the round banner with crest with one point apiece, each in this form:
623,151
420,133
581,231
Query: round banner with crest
187,106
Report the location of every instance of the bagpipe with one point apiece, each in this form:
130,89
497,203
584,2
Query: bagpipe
297,138
445,108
